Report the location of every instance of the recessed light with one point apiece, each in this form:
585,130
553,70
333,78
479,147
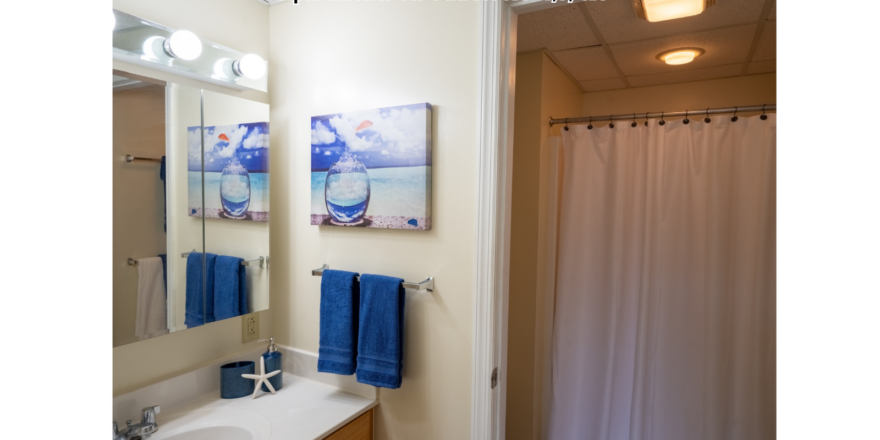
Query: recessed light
661,10
682,55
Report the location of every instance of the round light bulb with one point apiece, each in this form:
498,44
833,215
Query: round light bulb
250,66
184,45
679,58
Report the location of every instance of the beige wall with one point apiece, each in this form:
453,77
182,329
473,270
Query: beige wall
242,25
329,57
542,90
696,96
138,202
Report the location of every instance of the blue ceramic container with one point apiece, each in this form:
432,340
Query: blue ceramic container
273,363
232,385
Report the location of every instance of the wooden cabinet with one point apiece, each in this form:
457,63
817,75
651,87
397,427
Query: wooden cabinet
360,428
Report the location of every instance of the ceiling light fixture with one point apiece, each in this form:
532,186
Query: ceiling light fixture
661,10
250,66
682,55
184,45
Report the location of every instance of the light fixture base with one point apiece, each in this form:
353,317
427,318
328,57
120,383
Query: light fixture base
697,52
166,45
236,68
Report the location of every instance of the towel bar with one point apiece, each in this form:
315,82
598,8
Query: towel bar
130,158
132,262
257,262
427,284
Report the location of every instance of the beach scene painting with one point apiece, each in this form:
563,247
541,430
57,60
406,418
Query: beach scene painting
236,164
372,168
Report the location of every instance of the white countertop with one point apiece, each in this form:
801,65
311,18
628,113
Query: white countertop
301,410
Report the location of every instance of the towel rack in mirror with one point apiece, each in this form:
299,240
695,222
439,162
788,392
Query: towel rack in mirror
130,158
427,284
259,262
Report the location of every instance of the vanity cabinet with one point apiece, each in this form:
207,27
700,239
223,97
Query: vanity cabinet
360,428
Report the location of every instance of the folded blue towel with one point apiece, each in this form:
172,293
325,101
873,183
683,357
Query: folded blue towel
337,352
199,301
164,258
230,287
380,336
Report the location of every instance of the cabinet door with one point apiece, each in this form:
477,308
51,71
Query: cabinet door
360,428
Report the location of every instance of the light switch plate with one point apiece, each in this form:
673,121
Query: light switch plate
250,327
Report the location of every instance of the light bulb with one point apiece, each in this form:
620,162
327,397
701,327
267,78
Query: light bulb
250,66
184,45
680,56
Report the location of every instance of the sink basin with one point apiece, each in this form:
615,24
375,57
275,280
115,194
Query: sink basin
214,424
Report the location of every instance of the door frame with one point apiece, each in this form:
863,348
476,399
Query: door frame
495,169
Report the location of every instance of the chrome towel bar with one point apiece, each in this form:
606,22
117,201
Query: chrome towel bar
427,284
259,262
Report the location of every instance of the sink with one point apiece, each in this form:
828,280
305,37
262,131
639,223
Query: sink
214,424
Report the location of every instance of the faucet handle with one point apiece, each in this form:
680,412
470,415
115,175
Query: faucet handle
149,414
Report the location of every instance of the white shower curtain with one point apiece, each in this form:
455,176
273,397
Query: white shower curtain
664,324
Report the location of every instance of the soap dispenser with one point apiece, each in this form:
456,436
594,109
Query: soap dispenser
272,358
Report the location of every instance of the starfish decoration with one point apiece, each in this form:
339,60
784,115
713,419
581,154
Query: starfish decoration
261,378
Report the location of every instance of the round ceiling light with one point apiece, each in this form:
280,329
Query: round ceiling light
184,45
683,55
250,66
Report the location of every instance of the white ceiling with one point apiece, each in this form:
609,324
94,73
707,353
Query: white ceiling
604,45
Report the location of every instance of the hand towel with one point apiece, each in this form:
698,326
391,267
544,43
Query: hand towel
164,258
230,287
199,301
150,320
380,337
337,351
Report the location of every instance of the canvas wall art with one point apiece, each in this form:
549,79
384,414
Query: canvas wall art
372,168
236,172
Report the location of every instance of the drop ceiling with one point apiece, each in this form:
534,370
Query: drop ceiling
603,45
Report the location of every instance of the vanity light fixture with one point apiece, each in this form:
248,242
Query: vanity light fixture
184,45
114,20
661,10
682,55
250,66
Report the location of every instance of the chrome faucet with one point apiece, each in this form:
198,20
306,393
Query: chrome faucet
142,430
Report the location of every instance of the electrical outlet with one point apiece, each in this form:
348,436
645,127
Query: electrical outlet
250,327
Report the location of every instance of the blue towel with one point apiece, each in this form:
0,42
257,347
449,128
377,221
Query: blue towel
163,175
164,258
230,288
199,302
337,352
380,337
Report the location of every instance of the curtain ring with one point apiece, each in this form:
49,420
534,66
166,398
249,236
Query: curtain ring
611,124
646,119
634,124
707,120
662,122
566,125
686,120
764,115
735,117
590,127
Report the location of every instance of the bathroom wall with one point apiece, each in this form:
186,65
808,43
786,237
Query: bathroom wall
329,57
242,25
542,90
138,205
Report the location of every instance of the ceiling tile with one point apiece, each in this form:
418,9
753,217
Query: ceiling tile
561,27
587,63
602,84
766,49
618,23
765,66
723,46
685,76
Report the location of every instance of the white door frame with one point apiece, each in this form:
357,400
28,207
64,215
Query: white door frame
497,87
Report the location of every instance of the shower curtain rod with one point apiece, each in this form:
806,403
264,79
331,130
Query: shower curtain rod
654,115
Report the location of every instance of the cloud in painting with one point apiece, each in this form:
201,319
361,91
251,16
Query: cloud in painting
322,135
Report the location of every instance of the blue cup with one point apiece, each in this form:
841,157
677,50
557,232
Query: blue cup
232,385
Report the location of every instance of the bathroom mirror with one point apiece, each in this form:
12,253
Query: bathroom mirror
190,207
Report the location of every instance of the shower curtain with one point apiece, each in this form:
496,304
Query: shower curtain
664,324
